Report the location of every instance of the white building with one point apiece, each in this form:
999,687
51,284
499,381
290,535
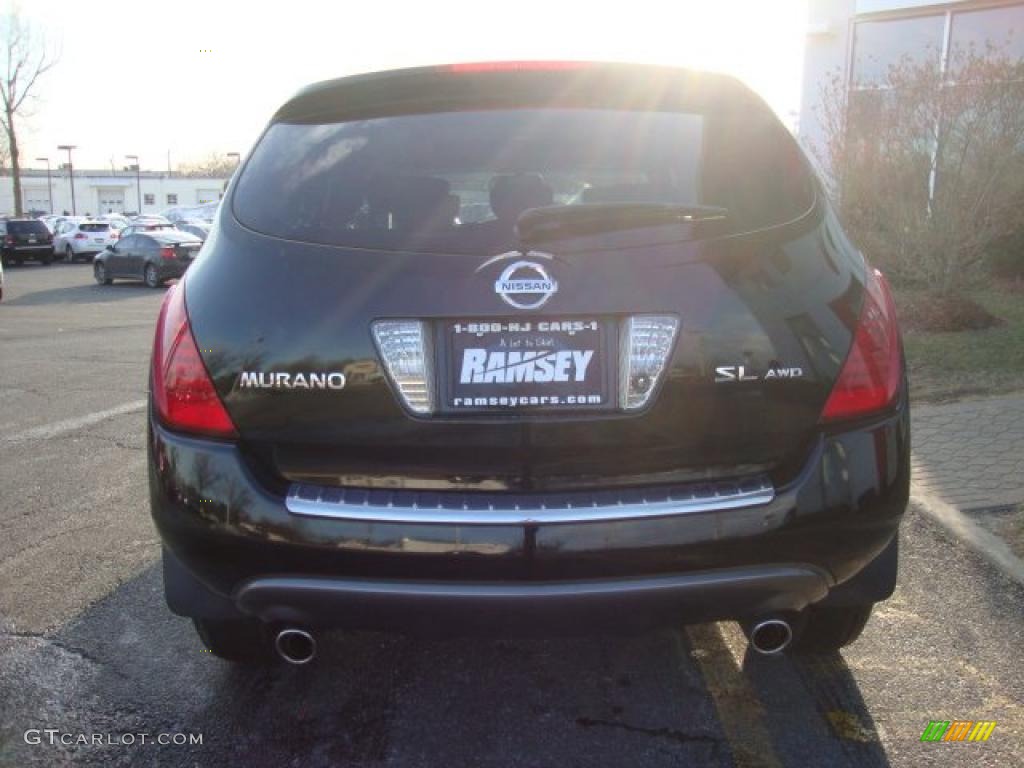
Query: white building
99,192
858,40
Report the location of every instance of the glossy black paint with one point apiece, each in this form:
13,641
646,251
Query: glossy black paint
786,296
226,527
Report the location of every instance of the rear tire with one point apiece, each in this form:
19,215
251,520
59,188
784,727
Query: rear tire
151,277
243,641
826,629
99,271
69,255
47,260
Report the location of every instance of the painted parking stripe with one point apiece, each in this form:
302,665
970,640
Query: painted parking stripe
739,709
57,428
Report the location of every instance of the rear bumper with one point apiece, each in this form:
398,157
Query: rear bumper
234,548
28,251
84,249
171,269
428,606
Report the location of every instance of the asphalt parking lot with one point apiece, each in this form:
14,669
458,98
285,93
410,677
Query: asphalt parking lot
87,645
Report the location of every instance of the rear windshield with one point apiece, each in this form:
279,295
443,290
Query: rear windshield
457,181
27,228
185,238
94,227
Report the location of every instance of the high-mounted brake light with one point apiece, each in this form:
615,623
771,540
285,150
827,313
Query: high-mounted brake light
183,393
869,380
515,66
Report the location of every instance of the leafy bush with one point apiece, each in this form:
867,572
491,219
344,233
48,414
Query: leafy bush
928,171
1006,256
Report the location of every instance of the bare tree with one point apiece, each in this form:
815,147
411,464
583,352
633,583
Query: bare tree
928,167
26,59
215,165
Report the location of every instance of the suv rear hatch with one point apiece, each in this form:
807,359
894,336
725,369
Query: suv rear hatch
96,234
655,236
32,234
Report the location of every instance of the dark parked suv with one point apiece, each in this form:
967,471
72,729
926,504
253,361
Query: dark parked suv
24,240
545,345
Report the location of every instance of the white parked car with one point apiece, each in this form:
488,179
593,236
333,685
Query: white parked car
50,222
83,239
112,217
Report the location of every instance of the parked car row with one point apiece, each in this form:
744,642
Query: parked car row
75,238
149,248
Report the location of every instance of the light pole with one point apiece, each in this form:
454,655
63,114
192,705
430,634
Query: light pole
49,180
71,174
138,178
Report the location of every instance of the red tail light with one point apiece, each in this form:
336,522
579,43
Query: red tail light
114,235
167,252
869,380
81,236
183,393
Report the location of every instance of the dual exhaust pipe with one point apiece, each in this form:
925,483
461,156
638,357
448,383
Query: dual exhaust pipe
296,646
768,637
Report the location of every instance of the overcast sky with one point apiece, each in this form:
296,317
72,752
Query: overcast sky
192,78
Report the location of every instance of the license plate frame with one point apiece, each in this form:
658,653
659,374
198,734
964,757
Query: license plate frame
479,381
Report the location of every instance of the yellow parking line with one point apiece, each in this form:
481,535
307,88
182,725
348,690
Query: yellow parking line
739,709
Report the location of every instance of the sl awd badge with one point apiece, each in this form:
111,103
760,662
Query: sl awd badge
740,373
526,284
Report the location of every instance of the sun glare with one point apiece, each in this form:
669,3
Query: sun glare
228,68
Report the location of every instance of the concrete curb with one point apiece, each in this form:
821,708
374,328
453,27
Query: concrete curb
987,544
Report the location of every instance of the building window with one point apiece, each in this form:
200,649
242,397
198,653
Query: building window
172,199
990,33
879,45
149,199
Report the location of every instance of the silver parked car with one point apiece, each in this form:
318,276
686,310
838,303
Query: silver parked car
82,239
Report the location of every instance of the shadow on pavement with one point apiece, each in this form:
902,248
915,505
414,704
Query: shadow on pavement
815,710
128,665
89,293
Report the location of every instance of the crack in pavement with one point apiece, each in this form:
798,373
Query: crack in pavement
666,733
67,647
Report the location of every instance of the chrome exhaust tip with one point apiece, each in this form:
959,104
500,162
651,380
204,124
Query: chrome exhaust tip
296,646
771,636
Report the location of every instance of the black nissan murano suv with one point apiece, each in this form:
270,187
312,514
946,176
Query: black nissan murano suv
544,345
